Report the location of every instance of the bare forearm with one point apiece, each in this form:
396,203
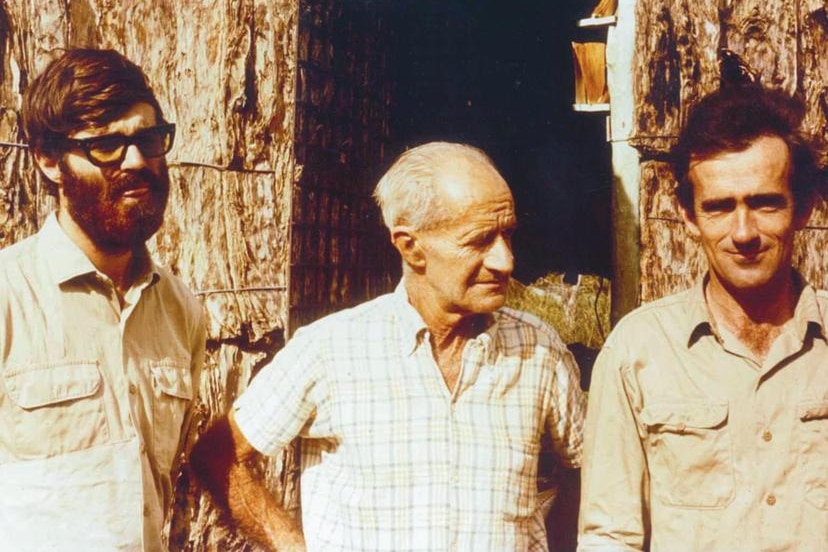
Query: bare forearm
221,461
258,514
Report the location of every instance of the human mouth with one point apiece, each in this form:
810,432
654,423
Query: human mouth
747,257
136,193
494,284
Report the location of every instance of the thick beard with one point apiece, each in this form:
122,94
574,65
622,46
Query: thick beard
96,206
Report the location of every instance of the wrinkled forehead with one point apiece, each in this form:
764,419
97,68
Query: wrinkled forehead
484,208
471,185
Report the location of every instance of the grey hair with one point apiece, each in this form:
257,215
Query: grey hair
407,195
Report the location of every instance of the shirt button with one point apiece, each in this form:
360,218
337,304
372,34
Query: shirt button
771,500
132,389
767,435
146,510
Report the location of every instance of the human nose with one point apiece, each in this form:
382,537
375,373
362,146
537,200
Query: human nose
500,258
133,158
744,227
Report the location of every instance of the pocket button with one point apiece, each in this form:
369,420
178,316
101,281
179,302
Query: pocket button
771,500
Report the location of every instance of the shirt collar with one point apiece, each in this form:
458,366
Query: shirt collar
411,324
698,316
65,261
806,314
414,329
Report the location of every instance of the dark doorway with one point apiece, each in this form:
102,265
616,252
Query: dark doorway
498,75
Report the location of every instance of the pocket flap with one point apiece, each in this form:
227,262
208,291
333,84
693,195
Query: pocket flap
39,385
813,410
172,377
681,415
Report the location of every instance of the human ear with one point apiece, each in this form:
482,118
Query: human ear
803,207
50,167
689,218
408,243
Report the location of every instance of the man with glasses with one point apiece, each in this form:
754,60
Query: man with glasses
100,348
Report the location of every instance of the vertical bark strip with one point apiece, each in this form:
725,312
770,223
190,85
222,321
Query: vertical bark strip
677,43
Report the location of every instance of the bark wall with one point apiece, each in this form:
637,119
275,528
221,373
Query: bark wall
676,63
340,252
225,72
282,113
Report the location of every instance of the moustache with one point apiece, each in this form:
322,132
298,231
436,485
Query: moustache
124,181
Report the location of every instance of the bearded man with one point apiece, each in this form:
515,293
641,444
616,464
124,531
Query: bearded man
100,348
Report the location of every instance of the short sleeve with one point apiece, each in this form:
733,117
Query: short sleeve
282,399
565,422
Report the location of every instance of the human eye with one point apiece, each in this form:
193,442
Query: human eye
151,141
508,233
479,240
767,203
105,148
717,206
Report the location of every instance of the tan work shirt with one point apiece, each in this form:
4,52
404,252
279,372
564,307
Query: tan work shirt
93,398
692,446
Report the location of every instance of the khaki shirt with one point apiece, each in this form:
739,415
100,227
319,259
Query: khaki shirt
691,445
93,398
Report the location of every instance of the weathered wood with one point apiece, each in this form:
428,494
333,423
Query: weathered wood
675,45
813,56
225,73
590,68
226,234
340,250
670,259
764,35
676,53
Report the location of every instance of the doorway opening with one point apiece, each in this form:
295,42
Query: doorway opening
498,75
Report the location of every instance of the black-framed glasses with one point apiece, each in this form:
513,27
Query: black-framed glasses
109,150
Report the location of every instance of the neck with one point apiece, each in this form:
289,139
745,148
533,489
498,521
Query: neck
117,265
450,331
445,326
754,317
772,304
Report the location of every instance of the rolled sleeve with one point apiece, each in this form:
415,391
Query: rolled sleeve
566,418
282,399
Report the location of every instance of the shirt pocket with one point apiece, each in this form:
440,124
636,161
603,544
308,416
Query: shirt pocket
690,454
813,450
54,408
172,387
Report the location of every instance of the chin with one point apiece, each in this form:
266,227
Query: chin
489,304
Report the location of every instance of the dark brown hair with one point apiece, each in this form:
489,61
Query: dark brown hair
81,89
730,120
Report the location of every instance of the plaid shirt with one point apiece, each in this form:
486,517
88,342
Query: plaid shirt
391,458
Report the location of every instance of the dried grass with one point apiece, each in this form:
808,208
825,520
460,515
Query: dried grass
580,312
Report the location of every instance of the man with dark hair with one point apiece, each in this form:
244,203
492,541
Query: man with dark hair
708,409
100,348
422,413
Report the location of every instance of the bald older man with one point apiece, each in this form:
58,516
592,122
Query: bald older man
421,413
